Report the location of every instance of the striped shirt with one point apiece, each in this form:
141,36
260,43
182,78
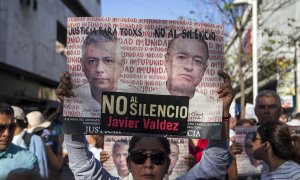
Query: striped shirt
288,170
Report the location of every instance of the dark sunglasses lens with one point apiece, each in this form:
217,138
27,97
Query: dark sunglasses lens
158,158
138,157
2,127
10,127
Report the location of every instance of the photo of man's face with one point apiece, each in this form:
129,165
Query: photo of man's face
186,62
101,66
119,156
174,156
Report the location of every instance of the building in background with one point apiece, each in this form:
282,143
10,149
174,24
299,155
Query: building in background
33,37
278,51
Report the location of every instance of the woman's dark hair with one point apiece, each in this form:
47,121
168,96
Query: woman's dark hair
283,144
136,138
244,121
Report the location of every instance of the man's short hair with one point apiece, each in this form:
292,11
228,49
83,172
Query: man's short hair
6,109
97,36
119,144
192,36
268,93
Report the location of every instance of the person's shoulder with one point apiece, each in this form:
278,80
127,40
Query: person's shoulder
21,153
290,165
14,149
36,141
288,170
36,138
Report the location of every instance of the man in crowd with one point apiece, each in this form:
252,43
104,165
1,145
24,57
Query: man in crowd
29,141
11,156
267,106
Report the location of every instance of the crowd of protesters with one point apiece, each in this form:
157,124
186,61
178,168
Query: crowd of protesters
31,146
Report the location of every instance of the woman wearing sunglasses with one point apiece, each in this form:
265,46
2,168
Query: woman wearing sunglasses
148,159
274,145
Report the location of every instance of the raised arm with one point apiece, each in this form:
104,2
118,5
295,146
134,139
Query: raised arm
82,162
215,158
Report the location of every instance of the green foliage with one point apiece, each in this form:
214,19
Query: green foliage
228,6
268,66
272,41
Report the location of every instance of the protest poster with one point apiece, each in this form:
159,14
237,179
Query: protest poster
144,113
117,147
246,164
136,58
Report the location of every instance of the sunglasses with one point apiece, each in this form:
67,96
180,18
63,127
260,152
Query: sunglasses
140,157
10,127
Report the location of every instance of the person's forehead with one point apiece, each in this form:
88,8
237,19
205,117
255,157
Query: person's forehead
6,119
148,143
266,100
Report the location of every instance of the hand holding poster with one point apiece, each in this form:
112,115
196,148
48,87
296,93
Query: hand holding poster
175,58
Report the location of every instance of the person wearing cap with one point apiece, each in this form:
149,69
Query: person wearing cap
37,124
12,157
29,141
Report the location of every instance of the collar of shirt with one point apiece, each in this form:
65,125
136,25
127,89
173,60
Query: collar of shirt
4,154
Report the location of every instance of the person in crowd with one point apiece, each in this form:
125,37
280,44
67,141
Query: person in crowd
196,148
119,155
248,149
95,144
24,174
232,124
149,156
156,166
32,142
267,106
12,156
237,148
246,122
274,145
37,124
